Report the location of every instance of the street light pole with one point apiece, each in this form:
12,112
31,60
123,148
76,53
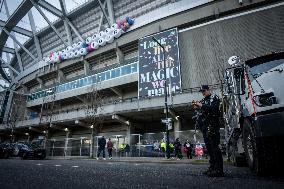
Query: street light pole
166,98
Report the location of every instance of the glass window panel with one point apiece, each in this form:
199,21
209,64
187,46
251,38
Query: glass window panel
94,78
107,73
68,86
125,70
76,83
99,77
134,68
73,84
80,82
117,72
103,76
89,80
85,81
59,88
112,73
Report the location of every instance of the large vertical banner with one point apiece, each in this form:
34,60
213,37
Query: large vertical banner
151,64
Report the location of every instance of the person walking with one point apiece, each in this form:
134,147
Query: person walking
208,122
127,150
177,146
109,148
188,148
101,147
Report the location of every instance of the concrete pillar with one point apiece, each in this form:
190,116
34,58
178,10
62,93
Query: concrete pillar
119,55
86,67
47,136
130,130
41,85
177,128
61,76
8,108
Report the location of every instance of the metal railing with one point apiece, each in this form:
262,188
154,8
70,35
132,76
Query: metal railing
140,145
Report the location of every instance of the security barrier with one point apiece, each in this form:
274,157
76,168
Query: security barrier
140,145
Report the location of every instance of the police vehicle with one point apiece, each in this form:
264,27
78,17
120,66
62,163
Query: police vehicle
253,104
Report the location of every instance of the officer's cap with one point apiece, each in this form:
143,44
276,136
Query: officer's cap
204,88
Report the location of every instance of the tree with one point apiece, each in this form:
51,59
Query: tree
93,106
17,112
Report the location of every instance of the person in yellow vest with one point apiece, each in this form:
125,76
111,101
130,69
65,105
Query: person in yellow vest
172,148
121,149
163,147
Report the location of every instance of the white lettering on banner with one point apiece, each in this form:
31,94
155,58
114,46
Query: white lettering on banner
155,65
160,91
159,75
152,44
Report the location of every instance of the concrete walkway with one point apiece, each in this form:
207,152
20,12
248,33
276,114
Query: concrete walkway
138,160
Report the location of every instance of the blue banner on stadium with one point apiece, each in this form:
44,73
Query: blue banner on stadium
151,66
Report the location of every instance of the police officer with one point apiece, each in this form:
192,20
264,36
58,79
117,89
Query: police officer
210,128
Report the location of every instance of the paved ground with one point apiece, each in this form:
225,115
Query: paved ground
18,174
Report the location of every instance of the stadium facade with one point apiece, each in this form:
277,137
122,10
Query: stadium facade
105,91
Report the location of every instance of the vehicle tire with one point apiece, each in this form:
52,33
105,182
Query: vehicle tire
238,160
253,151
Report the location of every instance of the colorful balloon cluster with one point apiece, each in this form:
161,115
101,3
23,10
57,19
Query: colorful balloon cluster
91,43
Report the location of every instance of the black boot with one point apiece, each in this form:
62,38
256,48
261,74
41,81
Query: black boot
210,168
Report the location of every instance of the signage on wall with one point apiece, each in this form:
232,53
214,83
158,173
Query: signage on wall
151,64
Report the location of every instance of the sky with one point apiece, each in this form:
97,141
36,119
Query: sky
39,20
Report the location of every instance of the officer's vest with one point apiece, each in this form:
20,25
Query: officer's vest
163,145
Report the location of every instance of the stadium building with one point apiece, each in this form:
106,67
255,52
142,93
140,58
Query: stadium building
97,71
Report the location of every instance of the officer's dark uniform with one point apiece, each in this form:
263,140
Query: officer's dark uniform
209,125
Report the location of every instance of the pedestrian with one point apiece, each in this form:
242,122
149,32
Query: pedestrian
177,146
188,148
127,150
101,147
121,149
172,148
208,122
199,150
163,148
109,148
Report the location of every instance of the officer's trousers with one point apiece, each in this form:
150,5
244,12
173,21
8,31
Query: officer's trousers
212,141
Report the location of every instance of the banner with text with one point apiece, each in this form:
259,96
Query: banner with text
151,64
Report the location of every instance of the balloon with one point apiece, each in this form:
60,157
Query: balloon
89,40
114,26
89,48
130,21
95,37
110,38
71,54
69,48
119,24
102,34
109,31
74,46
83,45
94,45
83,51
102,41
77,53
117,33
